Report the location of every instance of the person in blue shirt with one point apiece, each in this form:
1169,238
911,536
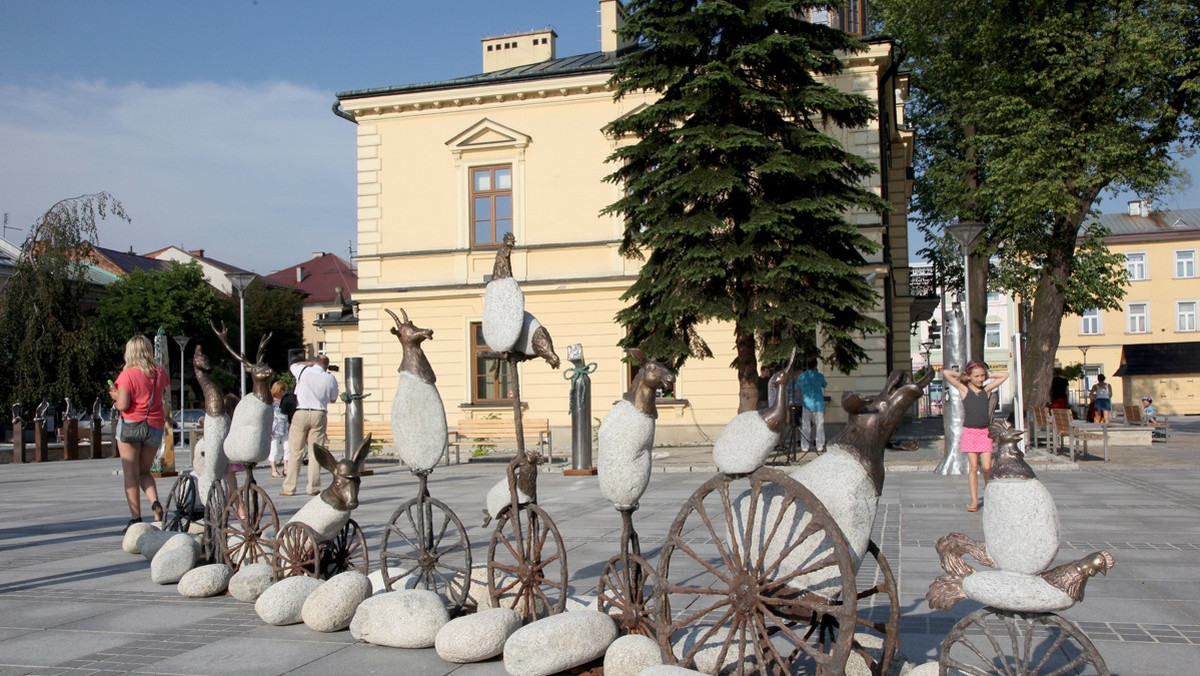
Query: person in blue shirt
812,384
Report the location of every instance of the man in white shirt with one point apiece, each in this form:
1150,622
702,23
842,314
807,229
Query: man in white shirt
316,389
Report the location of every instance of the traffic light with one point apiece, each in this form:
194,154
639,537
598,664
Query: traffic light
935,333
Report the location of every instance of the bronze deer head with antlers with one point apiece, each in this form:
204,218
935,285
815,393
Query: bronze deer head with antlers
261,374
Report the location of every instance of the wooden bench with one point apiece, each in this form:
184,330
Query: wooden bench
472,432
380,431
1160,425
1076,432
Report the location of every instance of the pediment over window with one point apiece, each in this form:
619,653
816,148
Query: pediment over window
486,134
633,111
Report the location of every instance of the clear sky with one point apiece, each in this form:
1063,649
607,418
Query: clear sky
210,121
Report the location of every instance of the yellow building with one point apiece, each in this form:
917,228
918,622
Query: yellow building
1149,347
445,168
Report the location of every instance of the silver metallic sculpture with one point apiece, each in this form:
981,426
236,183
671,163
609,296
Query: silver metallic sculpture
954,357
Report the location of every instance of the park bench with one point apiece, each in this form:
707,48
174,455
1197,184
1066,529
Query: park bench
484,433
1076,432
1161,426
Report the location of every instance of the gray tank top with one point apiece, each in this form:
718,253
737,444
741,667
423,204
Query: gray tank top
977,409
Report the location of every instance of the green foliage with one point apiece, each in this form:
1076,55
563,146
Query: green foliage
277,310
46,348
1072,372
734,185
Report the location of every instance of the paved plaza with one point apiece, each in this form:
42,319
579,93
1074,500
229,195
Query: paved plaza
71,602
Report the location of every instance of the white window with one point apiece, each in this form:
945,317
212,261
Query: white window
1185,263
1138,317
1135,263
995,297
1185,315
1089,323
992,335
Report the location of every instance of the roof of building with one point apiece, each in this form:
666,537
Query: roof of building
1157,223
127,261
1160,359
592,62
320,277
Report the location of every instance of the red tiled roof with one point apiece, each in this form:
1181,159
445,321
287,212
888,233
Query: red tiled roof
319,277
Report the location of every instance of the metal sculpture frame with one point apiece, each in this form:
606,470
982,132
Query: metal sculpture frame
298,551
250,539
627,584
439,556
1014,650
520,575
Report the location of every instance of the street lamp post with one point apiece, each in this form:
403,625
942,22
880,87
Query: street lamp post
240,281
183,341
965,234
1083,377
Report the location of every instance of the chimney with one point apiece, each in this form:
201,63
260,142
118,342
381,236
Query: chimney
1139,208
612,19
318,254
198,253
299,273
518,49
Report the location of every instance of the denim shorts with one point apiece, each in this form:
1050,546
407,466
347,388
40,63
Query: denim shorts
156,435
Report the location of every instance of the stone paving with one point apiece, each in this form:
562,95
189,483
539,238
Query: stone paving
71,602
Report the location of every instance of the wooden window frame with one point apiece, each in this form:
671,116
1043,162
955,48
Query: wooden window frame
473,194
478,346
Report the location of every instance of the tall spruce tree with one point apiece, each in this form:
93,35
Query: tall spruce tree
47,350
735,186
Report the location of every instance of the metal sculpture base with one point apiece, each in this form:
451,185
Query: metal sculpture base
993,641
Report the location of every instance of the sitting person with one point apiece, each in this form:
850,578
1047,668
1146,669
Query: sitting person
1150,416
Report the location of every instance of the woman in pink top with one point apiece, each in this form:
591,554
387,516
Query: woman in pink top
138,395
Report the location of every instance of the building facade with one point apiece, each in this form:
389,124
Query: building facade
445,169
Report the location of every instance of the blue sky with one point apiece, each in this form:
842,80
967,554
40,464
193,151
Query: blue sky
211,121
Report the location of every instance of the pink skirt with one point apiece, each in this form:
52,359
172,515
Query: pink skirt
976,440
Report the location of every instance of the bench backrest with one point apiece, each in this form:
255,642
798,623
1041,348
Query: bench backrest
1062,419
1042,417
1133,414
471,428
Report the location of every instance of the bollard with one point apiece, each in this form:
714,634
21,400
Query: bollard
41,438
70,433
581,412
97,432
18,436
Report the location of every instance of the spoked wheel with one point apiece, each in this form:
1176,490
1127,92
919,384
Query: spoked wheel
213,544
527,563
624,593
347,551
427,542
751,580
253,524
884,636
1041,644
182,503
296,551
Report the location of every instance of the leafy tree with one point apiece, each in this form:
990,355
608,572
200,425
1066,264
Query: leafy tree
1026,112
45,344
735,187
278,310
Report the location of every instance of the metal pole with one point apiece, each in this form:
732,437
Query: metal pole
242,322
354,406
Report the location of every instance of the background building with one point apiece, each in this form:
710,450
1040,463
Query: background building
446,168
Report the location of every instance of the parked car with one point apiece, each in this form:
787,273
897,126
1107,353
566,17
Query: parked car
192,420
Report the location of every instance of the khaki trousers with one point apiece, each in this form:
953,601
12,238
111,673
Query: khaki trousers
308,428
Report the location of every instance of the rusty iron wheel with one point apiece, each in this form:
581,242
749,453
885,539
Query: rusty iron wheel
296,551
527,563
1041,644
250,539
347,551
624,592
761,569
426,541
889,630
212,542
182,503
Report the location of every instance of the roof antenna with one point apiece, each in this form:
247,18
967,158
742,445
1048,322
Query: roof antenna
8,227
349,246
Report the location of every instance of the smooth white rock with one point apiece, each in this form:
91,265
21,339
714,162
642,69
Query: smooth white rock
558,642
180,540
744,444
208,457
479,587
503,313
477,637
841,483
169,566
626,444
418,423
669,670
706,656
332,605
409,618
581,602
283,602
150,541
1015,591
249,438
1020,525
322,518
129,543
629,655
498,498
205,581
251,581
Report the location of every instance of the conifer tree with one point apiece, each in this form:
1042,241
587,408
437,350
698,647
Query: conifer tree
736,189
